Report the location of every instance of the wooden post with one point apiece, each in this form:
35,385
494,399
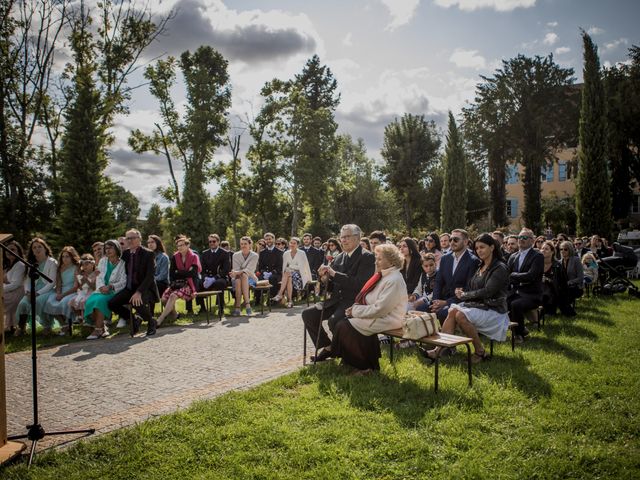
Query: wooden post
8,450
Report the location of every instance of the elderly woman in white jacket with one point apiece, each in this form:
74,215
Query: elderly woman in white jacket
296,272
380,306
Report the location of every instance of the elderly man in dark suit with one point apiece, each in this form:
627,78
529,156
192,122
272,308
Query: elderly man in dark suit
525,290
456,269
347,275
141,289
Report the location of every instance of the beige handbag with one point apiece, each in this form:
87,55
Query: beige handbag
419,324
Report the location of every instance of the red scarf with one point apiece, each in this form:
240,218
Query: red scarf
368,287
190,260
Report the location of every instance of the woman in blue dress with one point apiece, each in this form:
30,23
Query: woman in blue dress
39,254
66,285
112,277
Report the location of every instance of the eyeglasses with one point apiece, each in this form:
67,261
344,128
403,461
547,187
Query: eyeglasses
122,244
131,238
455,239
181,245
213,241
343,237
523,237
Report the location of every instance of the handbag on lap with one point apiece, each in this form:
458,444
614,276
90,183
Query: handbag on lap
419,324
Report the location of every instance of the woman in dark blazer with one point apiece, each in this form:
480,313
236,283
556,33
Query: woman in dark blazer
483,307
411,268
573,274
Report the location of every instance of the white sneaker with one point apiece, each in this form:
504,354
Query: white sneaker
121,323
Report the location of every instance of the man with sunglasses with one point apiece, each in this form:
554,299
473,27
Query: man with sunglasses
456,269
270,264
215,269
525,290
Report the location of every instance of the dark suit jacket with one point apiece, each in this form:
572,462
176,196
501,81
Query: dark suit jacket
351,275
144,269
447,282
315,258
215,264
270,261
526,281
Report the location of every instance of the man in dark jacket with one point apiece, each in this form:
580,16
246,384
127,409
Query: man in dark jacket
525,276
270,263
141,289
347,275
215,269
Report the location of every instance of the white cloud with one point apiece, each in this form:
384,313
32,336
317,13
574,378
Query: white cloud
595,30
552,24
347,41
468,59
498,5
550,38
615,44
402,11
561,50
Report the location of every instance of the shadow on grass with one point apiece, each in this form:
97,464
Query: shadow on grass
407,400
514,372
570,328
551,345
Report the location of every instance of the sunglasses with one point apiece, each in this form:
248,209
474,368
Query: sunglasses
564,249
213,241
523,237
456,239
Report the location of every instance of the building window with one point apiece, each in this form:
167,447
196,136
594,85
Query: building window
562,171
635,203
546,173
512,207
512,174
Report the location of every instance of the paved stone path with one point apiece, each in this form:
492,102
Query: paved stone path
111,383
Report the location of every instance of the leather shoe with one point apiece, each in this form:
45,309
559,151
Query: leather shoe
151,329
322,356
135,324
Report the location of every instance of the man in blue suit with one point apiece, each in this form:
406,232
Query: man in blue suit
456,269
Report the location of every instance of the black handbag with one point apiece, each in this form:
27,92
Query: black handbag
178,284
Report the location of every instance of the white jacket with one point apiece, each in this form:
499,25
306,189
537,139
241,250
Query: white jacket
118,278
386,305
15,277
300,263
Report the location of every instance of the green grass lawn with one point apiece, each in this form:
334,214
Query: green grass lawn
564,405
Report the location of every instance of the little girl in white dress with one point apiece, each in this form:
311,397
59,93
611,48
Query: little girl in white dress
87,282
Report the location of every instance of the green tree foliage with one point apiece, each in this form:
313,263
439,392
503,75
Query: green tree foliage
559,214
29,31
478,203
153,223
358,195
194,138
622,89
593,188
454,192
529,103
84,215
123,206
410,148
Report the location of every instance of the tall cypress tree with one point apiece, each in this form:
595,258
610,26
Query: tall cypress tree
84,216
454,192
593,196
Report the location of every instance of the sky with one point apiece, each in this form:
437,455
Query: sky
389,57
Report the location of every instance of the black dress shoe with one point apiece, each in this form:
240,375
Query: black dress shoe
322,356
151,329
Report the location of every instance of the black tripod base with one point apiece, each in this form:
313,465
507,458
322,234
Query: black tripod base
36,432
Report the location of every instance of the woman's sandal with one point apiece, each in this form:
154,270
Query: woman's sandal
290,305
430,355
478,357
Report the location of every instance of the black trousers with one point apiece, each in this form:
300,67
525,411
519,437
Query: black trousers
118,305
311,318
518,306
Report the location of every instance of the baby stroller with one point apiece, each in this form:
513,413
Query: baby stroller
612,272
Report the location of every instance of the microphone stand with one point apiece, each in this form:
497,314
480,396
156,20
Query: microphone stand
36,432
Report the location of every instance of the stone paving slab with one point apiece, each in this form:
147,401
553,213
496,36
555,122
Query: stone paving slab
112,383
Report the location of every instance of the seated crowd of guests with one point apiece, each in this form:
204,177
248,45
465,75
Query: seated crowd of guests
475,286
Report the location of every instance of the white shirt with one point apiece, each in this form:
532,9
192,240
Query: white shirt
456,260
521,255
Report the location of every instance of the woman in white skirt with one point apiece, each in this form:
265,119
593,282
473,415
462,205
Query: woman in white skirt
483,309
